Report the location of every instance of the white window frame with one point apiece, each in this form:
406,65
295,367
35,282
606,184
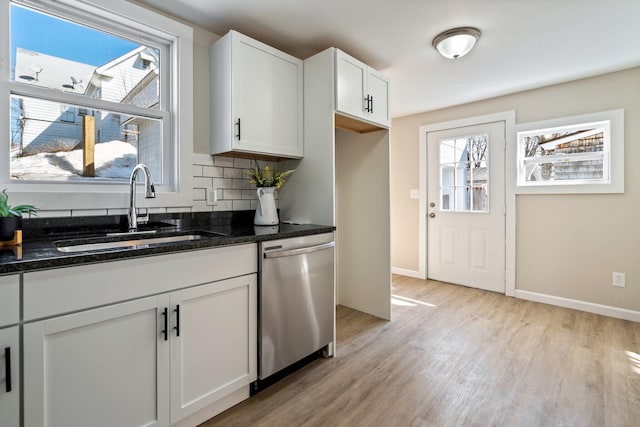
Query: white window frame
612,155
151,28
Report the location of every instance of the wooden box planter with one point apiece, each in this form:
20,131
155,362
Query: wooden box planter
10,230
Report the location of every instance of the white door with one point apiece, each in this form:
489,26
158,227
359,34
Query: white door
466,206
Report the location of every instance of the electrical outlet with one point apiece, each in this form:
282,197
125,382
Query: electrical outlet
619,279
212,197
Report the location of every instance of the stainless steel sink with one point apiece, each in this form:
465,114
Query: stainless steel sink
135,242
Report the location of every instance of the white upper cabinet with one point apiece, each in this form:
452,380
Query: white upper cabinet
256,99
361,92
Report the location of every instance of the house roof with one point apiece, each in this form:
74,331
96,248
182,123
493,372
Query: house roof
106,69
53,72
39,69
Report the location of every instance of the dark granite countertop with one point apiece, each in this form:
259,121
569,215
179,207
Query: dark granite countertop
41,235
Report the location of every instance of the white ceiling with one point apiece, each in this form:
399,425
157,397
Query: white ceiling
524,44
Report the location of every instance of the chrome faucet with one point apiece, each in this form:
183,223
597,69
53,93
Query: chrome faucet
134,219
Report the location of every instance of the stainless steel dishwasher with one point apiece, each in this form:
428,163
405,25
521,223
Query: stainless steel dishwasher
296,300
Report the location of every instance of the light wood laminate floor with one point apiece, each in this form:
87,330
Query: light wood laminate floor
455,356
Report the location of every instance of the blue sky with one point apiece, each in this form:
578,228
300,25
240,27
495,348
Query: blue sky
42,33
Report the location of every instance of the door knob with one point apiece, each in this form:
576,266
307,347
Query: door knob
432,215
432,205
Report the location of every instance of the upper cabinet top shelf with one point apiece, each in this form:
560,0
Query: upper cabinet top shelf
256,99
362,93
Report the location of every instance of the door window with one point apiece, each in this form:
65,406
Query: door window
464,174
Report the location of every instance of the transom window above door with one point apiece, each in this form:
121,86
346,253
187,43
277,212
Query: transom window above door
577,154
464,174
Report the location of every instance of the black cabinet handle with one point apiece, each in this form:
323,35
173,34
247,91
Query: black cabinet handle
7,367
165,331
367,108
238,124
371,107
177,327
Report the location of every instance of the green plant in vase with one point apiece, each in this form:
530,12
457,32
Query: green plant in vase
11,216
267,177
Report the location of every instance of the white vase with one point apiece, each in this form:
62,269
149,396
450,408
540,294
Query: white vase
266,213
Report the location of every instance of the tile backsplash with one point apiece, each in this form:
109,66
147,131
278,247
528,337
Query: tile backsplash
226,175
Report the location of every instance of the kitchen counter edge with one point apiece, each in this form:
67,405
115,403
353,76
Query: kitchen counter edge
43,255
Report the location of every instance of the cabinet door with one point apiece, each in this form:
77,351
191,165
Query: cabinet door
350,85
215,352
378,90
9,378
103,367
267,99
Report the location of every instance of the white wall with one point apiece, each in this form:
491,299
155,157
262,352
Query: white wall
362,221
566,245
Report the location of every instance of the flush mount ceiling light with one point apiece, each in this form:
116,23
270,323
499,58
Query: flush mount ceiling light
456,42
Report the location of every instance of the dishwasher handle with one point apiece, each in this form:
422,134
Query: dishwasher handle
299,251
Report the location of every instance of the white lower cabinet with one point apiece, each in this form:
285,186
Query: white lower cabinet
147,362
9,378
103,367
215,353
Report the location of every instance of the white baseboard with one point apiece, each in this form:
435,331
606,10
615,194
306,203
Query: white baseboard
605,310
405,272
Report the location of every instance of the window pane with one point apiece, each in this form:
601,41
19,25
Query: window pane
462,199
58,54
480,199
48,143
448,152
447,198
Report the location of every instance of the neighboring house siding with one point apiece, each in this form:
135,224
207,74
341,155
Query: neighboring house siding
150,136
121,78
588,169
149,133
109,126
44,131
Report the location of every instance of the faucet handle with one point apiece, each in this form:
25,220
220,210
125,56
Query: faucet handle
143,218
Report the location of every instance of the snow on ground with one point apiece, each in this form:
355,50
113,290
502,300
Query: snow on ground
113,159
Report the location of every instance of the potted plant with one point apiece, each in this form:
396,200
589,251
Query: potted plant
11,217
267,180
